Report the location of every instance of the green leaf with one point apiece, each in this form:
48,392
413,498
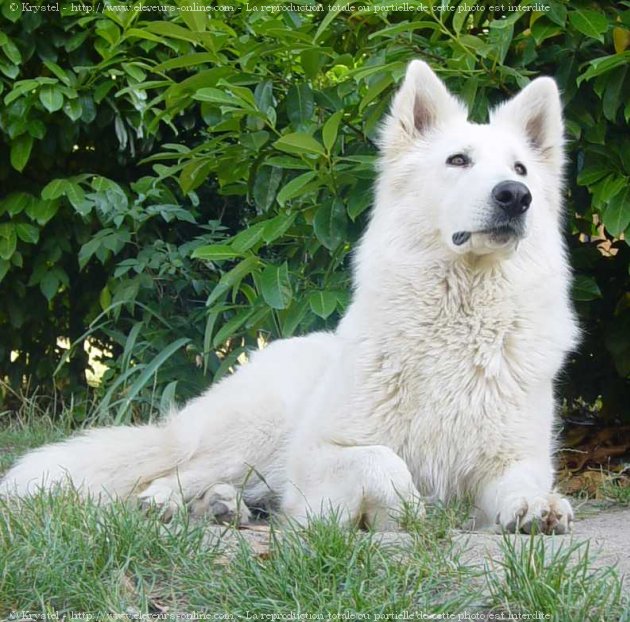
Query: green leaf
293,316
168,401
215,252
4,268
218,292
396,29
16,202
368,160
148,372
459,19
218,96
49,285
20,88
299,143
136,72
603,65
277,227
613,95
593,173
557,13
312,61
187,60
27,233
238,272
88,250
9,70
194,174
333,11
73,109
377,87
51,97
21,151
616,216
300,104
75,195
323,303
276,286
255,140
105,299
358,202
500,38
233,278
607,189
330,224
591,23
88,109
8,240
144,34
55,189
249,237
330,130
542,30
232,326
12,52
42,211
585,288
168,29
266,184
288,163
294,187
12,11
58,71
621,39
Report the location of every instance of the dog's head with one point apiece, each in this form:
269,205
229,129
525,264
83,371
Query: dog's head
476,188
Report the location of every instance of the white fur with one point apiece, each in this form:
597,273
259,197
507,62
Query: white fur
439,379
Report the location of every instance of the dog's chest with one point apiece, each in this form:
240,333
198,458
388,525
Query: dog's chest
463,333
449,376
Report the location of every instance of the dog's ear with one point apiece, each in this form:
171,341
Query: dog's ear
537,112
422,103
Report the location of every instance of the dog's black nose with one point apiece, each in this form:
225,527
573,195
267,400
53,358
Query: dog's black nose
513,197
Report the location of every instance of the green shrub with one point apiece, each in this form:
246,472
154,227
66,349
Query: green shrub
185,183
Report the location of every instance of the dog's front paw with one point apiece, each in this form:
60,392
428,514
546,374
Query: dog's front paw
547,513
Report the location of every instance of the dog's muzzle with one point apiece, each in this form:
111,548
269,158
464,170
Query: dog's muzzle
510,199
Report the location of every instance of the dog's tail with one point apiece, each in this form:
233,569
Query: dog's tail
110,462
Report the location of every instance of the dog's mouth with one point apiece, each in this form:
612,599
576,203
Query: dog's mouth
501,234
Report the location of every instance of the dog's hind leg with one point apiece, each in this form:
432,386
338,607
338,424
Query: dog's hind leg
233,437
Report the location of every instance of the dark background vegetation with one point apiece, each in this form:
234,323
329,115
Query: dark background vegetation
177,184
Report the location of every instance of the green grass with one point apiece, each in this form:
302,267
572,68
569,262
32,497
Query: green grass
617,489
35,422
68,555
59,554
558,579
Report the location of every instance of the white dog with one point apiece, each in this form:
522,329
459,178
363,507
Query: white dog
438,381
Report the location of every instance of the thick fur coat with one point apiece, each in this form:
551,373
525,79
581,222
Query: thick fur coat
438,382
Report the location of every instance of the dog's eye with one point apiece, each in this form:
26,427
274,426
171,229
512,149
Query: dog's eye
459,159
520,169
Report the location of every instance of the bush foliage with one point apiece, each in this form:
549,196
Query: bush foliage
181,183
